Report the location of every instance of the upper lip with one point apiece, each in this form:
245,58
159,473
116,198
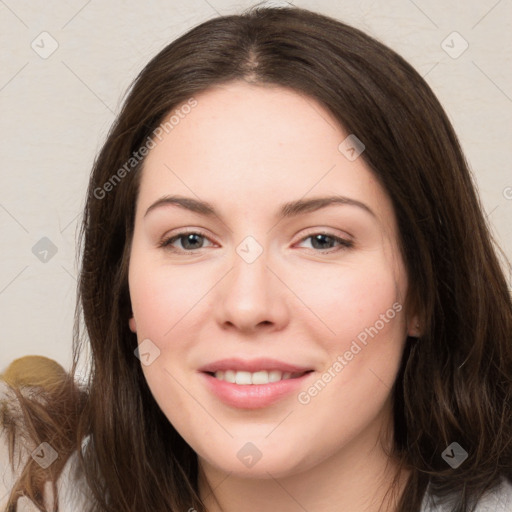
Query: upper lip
252,365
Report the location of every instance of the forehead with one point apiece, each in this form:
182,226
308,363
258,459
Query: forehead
253,123
256,144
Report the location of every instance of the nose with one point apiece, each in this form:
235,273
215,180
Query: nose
251,297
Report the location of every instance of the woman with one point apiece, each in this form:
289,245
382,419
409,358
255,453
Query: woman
263,368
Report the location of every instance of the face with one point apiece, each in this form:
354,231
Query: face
302,306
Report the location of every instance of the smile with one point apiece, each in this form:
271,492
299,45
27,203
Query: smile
254,390
245,378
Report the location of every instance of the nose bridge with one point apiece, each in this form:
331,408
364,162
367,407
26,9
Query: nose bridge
250,276
249,293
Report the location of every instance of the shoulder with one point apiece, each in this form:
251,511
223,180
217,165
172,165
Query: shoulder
497,499
14,456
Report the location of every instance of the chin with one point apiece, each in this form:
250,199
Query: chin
247,462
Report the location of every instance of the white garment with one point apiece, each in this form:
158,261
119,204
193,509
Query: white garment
495,500
73,495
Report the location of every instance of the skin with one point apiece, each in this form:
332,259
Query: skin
247,149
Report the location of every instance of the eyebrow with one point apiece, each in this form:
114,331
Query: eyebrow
291,209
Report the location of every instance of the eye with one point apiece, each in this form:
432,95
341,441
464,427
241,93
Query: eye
325,240
190,241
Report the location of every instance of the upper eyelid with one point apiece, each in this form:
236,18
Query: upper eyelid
179,234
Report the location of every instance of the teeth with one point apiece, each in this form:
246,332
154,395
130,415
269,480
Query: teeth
243,378
274,376
261,377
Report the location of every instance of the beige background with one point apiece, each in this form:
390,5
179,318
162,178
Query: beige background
56,110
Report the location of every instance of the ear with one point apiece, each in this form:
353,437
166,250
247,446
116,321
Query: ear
132,324
414,329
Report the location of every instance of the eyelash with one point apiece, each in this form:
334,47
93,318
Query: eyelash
166,242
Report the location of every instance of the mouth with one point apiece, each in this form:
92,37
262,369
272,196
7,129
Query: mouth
253,384
245,378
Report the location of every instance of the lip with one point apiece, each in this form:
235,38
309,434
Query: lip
252,396
252,365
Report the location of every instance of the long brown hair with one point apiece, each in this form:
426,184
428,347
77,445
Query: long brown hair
455,381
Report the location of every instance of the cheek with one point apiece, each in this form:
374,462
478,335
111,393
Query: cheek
363,308
363,356
350,300
153,307
161,296
165,301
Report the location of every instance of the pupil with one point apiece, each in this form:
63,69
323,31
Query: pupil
190,238
318,238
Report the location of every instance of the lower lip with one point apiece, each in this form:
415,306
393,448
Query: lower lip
253,396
